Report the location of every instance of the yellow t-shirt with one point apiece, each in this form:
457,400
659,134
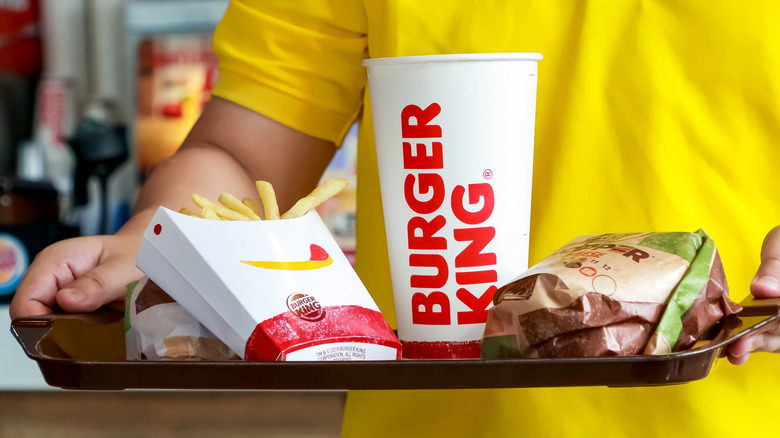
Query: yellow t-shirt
651,116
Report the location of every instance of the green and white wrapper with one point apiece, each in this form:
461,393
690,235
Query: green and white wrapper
157,328
612,294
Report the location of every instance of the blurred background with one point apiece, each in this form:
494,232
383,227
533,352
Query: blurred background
93,94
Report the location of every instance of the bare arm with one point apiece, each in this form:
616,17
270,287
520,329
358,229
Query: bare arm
231,147
228,149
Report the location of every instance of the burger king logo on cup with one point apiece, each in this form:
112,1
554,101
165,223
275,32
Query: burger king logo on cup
305,307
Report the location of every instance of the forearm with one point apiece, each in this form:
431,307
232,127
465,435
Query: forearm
195,168
228,149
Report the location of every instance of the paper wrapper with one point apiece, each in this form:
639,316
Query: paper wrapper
611,294
157,327
270,290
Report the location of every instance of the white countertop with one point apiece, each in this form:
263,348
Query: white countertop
17,371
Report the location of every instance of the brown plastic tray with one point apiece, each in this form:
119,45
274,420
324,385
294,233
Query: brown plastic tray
87,351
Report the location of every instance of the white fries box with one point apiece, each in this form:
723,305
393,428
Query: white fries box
276,290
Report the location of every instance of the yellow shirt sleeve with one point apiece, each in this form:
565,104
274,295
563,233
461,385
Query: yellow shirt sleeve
297,62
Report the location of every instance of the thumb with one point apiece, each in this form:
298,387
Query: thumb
766,283
103,285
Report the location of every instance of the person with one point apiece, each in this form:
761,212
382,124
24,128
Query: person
651,116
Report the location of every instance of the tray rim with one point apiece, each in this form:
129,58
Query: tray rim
55,369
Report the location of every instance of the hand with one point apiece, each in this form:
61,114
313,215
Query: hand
228,149
78,275
766,284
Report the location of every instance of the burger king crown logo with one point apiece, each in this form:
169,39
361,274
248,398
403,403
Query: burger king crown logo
305,307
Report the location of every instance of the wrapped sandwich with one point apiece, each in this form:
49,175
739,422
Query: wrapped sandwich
157,327
612,294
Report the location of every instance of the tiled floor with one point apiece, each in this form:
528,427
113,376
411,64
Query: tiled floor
163,414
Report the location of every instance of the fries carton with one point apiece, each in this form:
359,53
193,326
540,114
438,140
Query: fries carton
270,290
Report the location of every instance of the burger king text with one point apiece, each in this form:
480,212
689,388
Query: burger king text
470,204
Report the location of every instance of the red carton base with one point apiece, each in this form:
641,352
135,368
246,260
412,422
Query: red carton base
286,332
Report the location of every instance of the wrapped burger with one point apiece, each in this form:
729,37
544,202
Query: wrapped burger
157,327
612,294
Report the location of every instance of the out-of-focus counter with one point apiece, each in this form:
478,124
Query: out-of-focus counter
170,414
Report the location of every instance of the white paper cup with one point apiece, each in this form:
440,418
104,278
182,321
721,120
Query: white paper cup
454,137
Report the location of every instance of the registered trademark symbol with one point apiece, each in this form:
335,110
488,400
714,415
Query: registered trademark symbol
487,174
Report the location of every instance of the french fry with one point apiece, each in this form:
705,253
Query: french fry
230,208
189,212
235,205
200,201
208,210
268,197
228,214
249,202
324,191
209,213
220,211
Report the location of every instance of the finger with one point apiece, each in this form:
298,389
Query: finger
738,360
53,267
738,351
100,286
767,342
766,283
767,339
21,308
